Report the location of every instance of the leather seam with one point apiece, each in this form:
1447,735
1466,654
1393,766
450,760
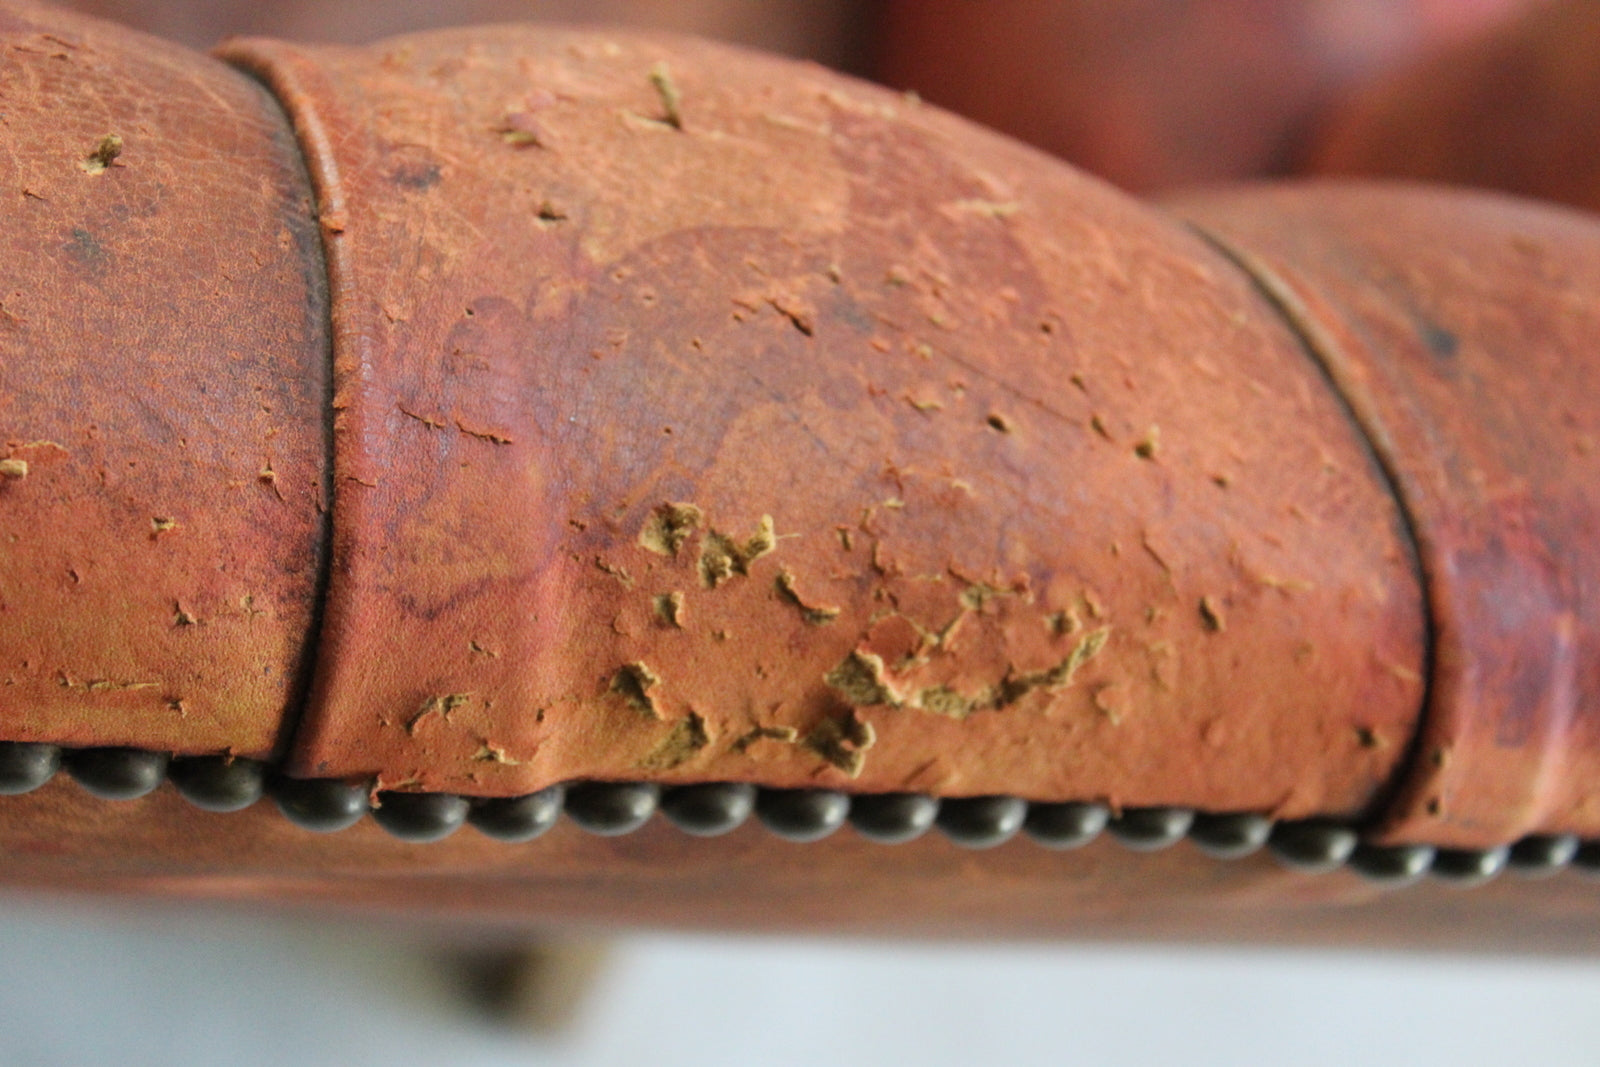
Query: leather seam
290,727
1324,353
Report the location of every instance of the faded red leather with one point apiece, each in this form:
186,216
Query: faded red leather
1461,327
162,387
703,417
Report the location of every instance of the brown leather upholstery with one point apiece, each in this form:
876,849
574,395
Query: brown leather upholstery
1458,326
701,417
791,433
163,354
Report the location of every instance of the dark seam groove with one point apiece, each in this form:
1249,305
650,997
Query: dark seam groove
1324,353
318,272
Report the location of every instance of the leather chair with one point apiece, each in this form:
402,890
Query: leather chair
486,424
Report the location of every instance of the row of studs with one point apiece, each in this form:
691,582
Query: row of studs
707,810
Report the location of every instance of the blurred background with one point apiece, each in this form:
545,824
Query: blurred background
1152,95
177,987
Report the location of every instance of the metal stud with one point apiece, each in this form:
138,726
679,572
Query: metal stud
1312,845
1587,858
518,818
981,822
1231,836
612,808
893,818
1541,855
222,784
420,817
116,773
802,814
320,804
1466,867
218,783
1391,865
1072,824
26,765
709,809
1150,829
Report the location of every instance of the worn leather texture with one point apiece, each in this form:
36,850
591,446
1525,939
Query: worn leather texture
706,417
163,355
1459,327
698,416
